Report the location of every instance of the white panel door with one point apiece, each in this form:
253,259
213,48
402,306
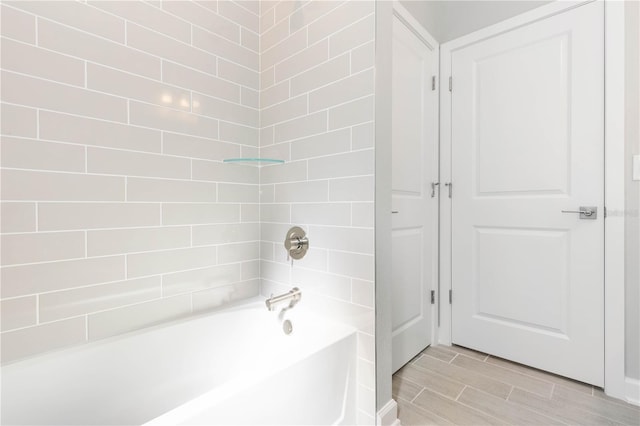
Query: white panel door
527,143
414,168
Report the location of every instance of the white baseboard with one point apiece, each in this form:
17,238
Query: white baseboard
388,415
632,390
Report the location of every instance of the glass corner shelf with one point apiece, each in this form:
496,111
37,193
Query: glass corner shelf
259,161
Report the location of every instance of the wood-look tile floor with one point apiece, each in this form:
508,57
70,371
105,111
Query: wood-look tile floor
457,386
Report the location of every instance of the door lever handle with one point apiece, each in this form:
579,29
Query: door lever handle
450,186
433,188
584,212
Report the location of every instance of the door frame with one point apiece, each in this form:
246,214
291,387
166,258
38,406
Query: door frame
614,178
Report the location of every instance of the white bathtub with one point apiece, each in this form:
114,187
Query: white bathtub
231,367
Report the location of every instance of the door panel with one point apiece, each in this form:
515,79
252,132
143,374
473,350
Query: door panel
527,143
414,166
514,153
504,267
408,253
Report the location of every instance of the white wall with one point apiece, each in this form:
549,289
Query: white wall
317,113
384,30
117,211
447,20
632,191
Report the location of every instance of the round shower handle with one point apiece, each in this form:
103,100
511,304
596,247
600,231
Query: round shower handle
296,243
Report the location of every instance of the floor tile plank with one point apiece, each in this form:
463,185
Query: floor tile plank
432,381
520,380
468,352
539,374
553,408
463,375
412,415
599,393
453,411
404,388
443,353
618,413
504,410
444,385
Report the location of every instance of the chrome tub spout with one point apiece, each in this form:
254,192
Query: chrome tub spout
294,295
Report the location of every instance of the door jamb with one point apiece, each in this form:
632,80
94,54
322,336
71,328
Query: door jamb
614,126
614,346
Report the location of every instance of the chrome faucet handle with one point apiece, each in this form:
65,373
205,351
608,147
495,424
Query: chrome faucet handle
296,243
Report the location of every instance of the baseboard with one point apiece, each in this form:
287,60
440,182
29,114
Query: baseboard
632,390
388,415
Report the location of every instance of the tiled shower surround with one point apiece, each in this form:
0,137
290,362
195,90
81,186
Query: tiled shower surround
117,210
317,113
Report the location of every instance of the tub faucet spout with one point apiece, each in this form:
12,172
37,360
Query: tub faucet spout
294,295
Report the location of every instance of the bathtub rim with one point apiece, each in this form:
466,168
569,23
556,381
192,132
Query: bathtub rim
194,316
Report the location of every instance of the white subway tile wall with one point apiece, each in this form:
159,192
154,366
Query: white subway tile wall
317,97
117,211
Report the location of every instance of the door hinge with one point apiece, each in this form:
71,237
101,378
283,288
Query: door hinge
605,212
433,83
433,297
450,84
450,297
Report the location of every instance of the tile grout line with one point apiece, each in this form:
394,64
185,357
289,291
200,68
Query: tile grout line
36,25
417,395
461,392
510,392
37,309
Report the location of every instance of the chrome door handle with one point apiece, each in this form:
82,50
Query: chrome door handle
433,188
584,212
590,212
450,186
